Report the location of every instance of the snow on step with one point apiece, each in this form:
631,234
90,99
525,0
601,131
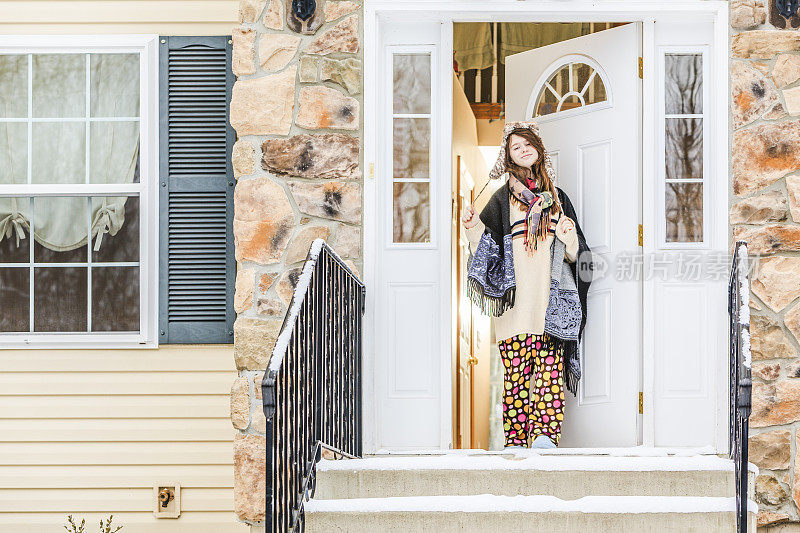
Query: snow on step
537,462
485,512
564,477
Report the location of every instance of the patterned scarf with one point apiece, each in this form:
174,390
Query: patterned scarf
535,228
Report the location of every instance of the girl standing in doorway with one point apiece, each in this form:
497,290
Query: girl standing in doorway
528,249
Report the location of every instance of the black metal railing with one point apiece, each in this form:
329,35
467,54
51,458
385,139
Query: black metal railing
312,387
741,384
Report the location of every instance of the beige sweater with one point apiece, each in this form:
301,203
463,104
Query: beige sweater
532,273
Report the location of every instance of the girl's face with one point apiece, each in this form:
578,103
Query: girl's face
521,151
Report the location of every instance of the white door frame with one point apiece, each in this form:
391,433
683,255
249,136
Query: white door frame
449,11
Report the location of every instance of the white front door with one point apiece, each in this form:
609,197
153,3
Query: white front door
411,342
588,92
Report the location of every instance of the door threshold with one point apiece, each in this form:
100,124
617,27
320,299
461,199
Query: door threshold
631,451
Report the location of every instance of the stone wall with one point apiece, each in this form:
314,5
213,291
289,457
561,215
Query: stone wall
765,211
296,109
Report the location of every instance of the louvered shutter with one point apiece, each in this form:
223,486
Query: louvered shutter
197,265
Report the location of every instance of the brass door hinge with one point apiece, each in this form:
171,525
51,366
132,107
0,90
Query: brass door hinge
641,403
372,171
641,235
641,68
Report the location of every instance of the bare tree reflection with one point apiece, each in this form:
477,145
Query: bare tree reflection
684,148
412,212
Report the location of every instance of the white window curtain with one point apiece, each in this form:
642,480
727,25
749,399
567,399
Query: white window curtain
58,149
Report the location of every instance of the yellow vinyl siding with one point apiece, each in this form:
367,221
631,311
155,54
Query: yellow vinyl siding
164,17
90,432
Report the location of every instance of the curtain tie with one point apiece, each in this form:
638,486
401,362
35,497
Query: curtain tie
13,223
105,222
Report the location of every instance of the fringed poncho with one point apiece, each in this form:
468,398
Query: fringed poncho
492,283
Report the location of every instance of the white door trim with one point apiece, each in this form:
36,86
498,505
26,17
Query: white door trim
449,11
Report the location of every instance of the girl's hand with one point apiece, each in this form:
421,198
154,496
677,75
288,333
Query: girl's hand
564,228
468,217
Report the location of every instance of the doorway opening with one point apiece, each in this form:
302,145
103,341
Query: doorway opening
647,176
571,78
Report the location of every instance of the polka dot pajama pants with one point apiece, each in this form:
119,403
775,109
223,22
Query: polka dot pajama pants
533,366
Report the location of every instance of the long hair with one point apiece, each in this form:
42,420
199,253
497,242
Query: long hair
537,173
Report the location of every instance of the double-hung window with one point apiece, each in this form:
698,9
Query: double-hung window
78,125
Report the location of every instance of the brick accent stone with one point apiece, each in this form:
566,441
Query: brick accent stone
767,339
240,403
793,189
769,239
298,248
243,56
786,70
275,50
764,44
243,297
345,72
775,404
792,99
764,153
768,207
273,16
249,477
751,93
347,242
309,67
263,220
336,200
769,490
264,106
266,280
771,450
322,107
767,371
253,342
768,517
326,156
778,281
338,9
269,307
249,10
243,158
343,37
747,13
287,284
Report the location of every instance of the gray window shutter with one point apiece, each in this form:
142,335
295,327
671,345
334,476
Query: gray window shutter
196,263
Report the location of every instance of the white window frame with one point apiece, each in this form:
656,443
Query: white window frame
146,45
661,150
387,175
554,67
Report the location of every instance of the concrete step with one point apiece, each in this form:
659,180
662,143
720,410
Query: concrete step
545,514
559,476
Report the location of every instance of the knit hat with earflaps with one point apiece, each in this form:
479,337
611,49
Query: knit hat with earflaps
500,165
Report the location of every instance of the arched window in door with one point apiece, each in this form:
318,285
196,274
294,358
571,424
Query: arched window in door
570,83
